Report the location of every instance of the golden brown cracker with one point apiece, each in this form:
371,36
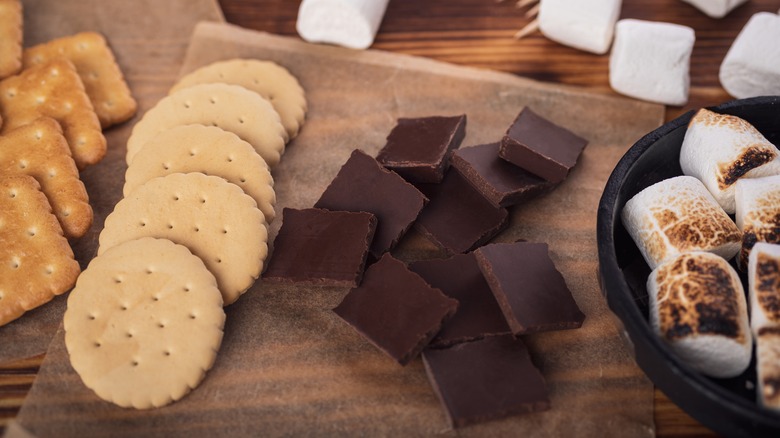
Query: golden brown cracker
95,63
36,262
54,90
40,150
10,37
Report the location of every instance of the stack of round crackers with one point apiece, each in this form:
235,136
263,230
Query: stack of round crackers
190,236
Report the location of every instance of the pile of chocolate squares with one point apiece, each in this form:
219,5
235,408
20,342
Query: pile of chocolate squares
464,313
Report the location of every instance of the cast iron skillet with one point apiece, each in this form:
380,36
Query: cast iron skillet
727,406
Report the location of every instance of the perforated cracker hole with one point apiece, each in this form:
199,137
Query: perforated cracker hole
82,141
97,344
150,270
117,280
93,75
241,120
65,212
38,135
213,100
134,363
129,334
187,105
230,158
12,193
243,180
166,353
52,173
123,307
219,260
31,232
156,298
175,197
91,317
170,227
23,164
197,229
193,315
40,99
161,324
187,288
11,93
54,72
15,263
166,166
193,152
202,200
49,270
68,106
142,223
224,231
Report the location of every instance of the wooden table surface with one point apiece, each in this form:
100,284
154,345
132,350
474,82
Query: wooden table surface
480,33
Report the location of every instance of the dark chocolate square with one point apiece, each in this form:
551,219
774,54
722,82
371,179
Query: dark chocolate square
457,217
541,147
486,380
478,313
419,149
395,309
501,182
531,292
363,184
316,246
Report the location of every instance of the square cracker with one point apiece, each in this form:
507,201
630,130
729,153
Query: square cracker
97,67
40,150
54,90
36,262
10,37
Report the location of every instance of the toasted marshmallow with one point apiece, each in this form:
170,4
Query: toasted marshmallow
587,26
697,306
679,215
768,367
348,23
764,285
720,149
715,8
758,212
752,65
651,61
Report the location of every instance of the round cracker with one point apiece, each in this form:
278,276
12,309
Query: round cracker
265,78
209,150
231,107
215,219
144,323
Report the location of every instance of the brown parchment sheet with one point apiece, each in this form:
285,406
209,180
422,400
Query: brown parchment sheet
149,39
289,366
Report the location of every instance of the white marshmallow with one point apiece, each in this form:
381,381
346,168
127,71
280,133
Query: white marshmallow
651,61
764,290
679,215
720,149
752,64
715,8
697,306
768,367
584,25
348,23
758,212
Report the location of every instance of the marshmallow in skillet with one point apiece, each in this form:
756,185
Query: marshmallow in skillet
348,23
719,149
752,65
697,306
758,212
584,25
651,61
678,215
764,281
715,8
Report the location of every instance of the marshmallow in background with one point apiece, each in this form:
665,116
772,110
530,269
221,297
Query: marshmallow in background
764,281
348,23
752,64
698,307
719,149
651,61
584,25
715,8
758,212
679,215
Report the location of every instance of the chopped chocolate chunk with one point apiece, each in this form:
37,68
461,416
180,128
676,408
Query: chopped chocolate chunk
485,380
395,309
532,294
419,149
541,147
363,184
458,218
501,182
478,314
317,246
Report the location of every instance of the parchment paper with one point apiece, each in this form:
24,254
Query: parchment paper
149,39
289,366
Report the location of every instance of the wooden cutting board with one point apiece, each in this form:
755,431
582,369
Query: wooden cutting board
289,366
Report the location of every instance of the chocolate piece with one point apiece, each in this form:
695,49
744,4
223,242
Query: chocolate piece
317,246
485,380
478,314
419,149
531,292
501,182
458,218
541,147
395,309
363,184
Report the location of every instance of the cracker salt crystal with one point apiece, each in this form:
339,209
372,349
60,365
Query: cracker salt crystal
144,323
584,25
752,65
720,149
651,61
758,212
678,215
715,8
698,307
348,23
36,262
